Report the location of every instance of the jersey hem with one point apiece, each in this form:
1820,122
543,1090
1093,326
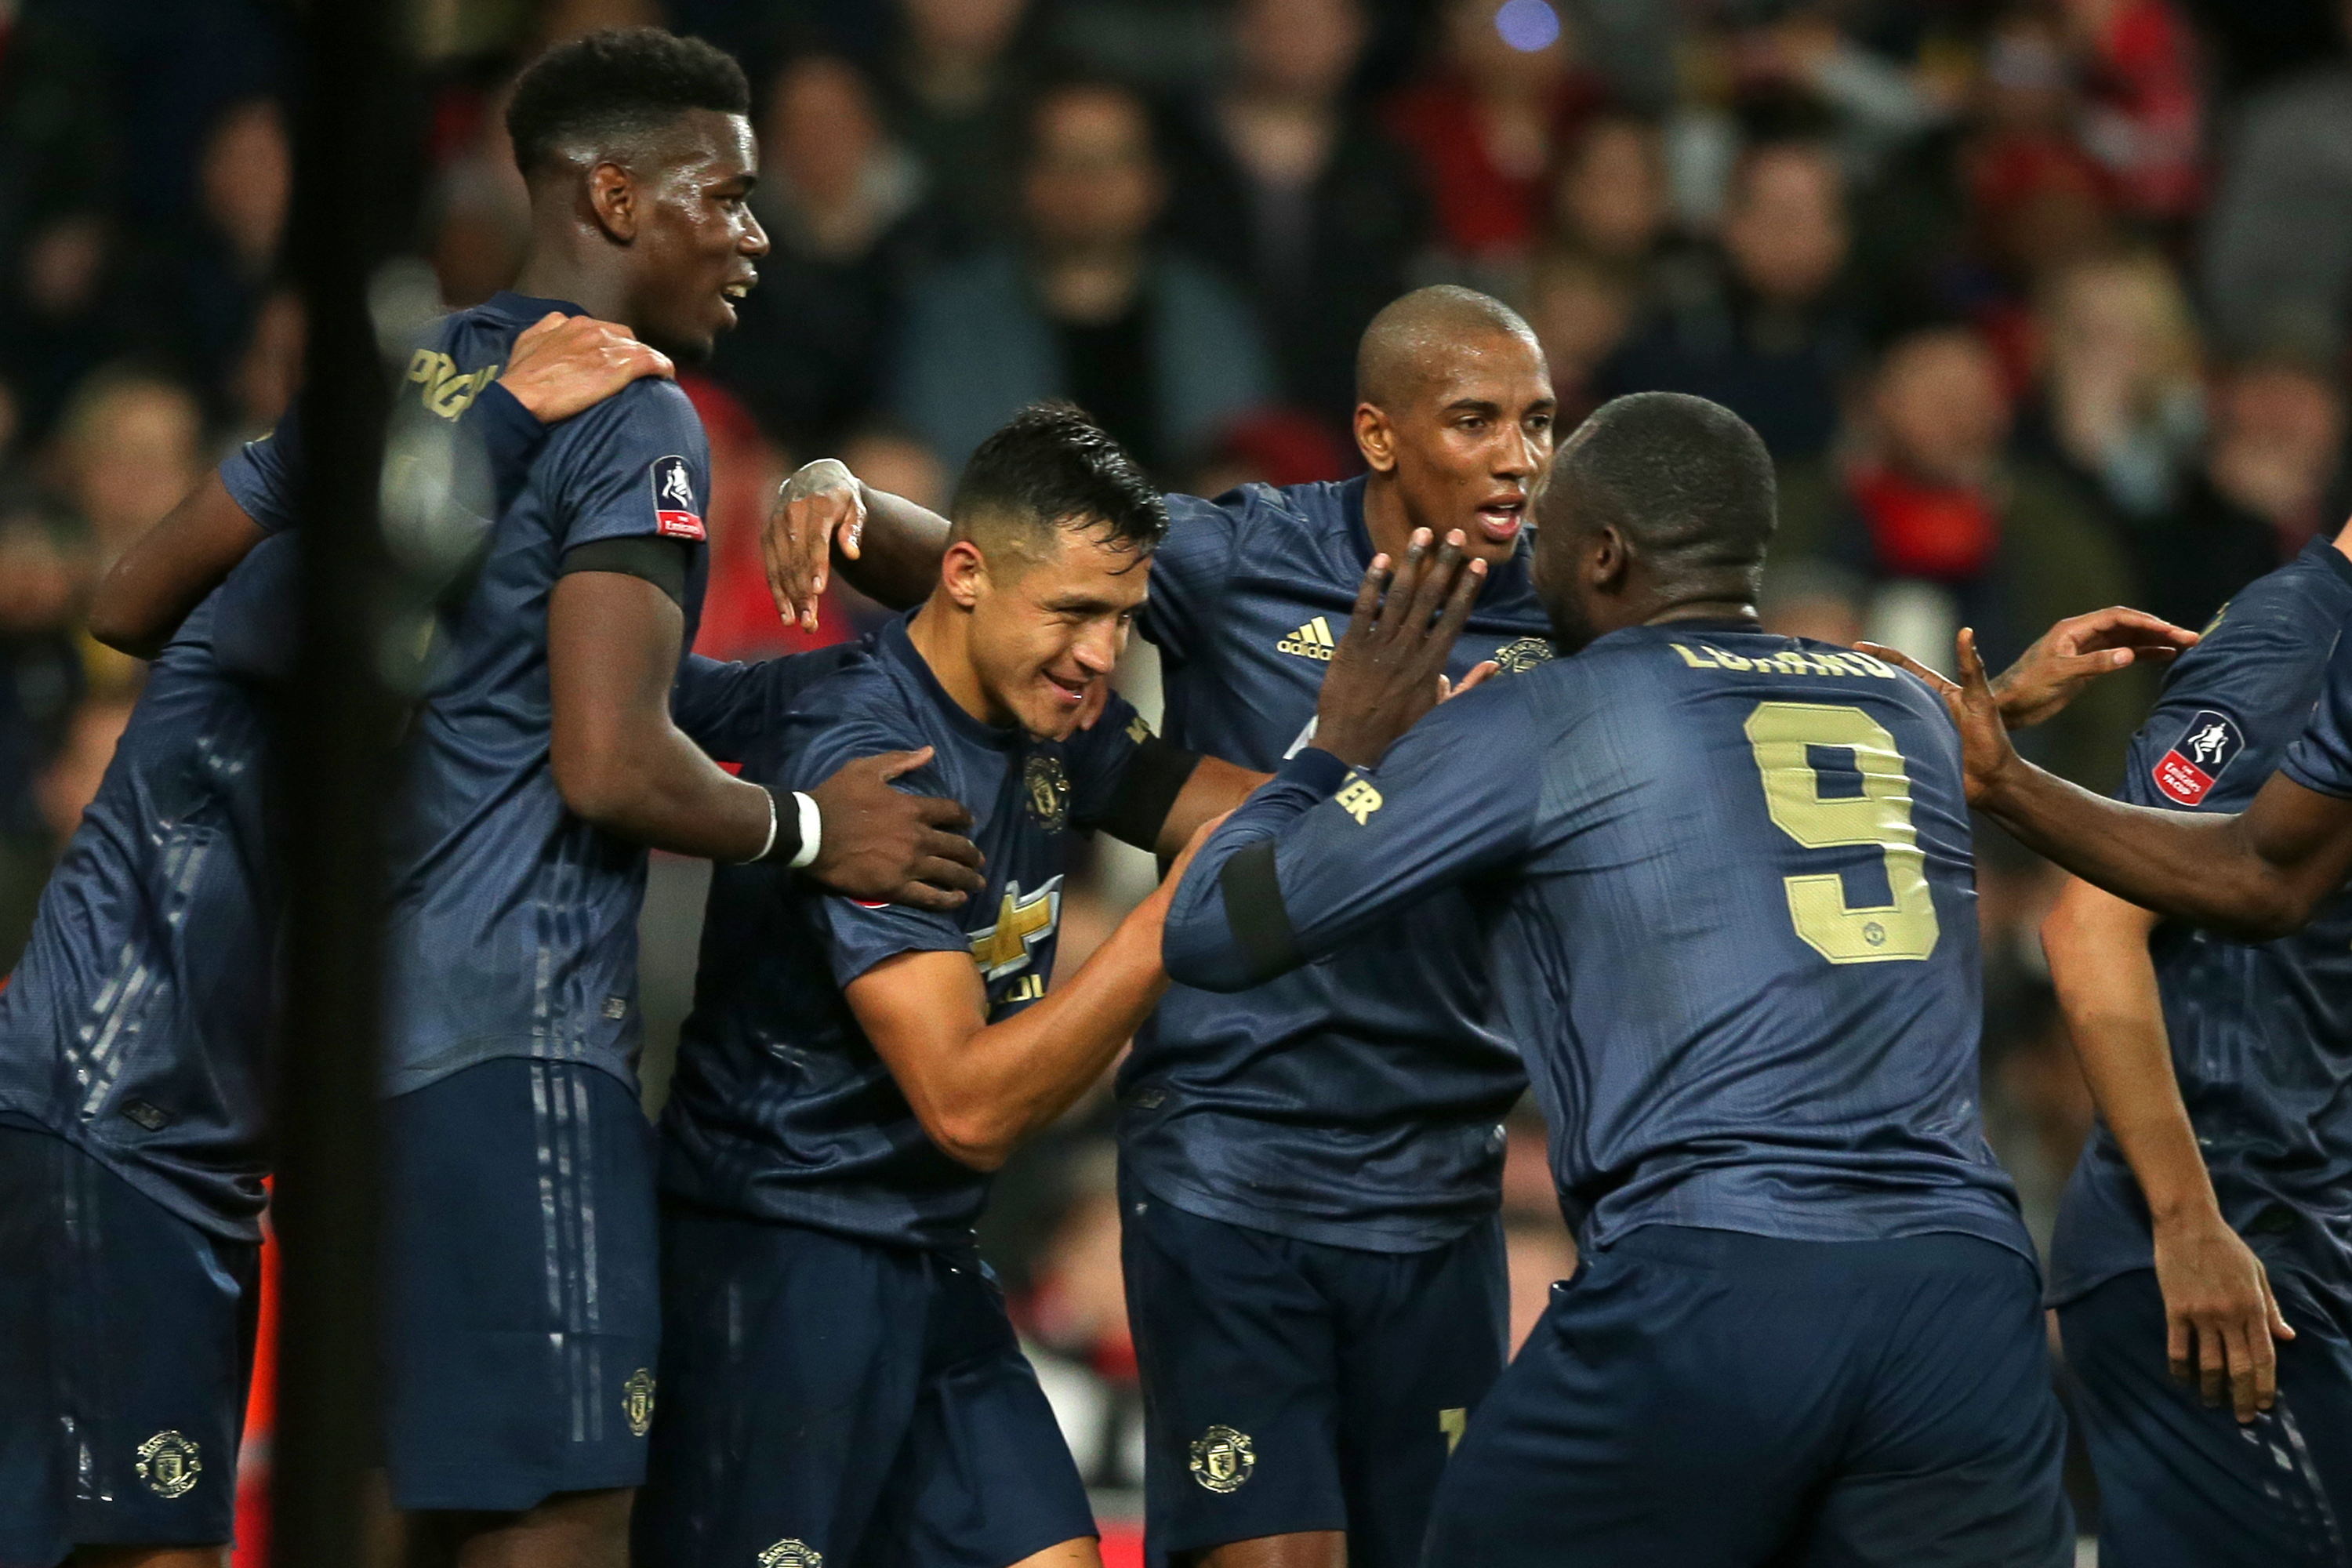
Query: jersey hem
1356,1235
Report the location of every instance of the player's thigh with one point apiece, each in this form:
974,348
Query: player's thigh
792,1360
126,1345
1658,1413
1958,1445
1423,1338
2181,1484
521,1317
1238,1353
984,1478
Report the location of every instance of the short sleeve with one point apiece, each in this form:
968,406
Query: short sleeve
1098,758
256,613
1190,569
2322,759
264,476
857,936
2226,716
636,465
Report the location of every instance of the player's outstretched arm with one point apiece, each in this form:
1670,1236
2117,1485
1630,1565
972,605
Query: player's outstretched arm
562,365
981,1089
2220,1316
887,546
623,764
2258,874
2078,650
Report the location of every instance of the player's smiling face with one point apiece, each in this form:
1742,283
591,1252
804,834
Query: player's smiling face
1467,446
1046,633
697,245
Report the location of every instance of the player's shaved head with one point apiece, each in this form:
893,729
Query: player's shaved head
1409,344
1686,482
613,91
1050,468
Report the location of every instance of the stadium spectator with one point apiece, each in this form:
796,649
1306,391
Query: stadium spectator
1302,200
2143,116
213,284
1609,197
1764,332
1148,340
846,209
2263,492
955,82
1948,529
1485,122
130,442
2121,399
1581,307
2277,247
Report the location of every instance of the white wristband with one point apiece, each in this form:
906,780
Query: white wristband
811,830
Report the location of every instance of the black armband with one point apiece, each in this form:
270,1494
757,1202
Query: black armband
1147,793
661,561
1255,914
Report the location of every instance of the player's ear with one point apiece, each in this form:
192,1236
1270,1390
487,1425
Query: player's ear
612,202
962,570
1609,561
1375,438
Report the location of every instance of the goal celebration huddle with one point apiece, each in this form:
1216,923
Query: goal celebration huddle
1478,776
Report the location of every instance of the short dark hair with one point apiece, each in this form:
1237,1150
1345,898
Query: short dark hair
1688,482
1048,468
619,83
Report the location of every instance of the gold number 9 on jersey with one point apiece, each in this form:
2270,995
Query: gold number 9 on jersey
1778,733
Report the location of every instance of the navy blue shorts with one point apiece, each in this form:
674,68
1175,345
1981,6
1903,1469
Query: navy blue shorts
2180,1484
126,1345
522,1315
1291,1385
825,1399
1710,1399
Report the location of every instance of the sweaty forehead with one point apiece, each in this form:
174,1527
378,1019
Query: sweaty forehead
699,144
1488,366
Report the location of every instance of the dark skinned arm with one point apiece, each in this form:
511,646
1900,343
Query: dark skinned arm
621,763
2256,875
2220,1316
979,1088
168,570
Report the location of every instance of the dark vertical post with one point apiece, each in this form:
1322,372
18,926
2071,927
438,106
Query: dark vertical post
333,741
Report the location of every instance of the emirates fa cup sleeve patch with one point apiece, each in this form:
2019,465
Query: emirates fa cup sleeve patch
2188,770
674,513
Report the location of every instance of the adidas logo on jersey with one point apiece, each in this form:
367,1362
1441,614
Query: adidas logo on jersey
1312,641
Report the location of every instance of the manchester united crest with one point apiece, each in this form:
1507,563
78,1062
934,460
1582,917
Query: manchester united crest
1222,1459
1048,787
638,1401
169,1464
1519,657
790,1553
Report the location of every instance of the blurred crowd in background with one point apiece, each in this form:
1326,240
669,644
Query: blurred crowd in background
2039,307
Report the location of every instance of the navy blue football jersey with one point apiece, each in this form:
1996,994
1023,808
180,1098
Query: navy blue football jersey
512,925
136,1025
2261,1032
1725,878
1355,1101
780,1108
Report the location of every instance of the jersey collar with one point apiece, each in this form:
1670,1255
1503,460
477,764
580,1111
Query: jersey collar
896,646
526,309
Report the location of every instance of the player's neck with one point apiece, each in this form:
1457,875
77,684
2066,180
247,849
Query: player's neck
941,633
1385,521
548,274
1737,610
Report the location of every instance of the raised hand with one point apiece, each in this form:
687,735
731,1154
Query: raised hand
1386,672
1986,752
822,502
564,365
2077,651
886,846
